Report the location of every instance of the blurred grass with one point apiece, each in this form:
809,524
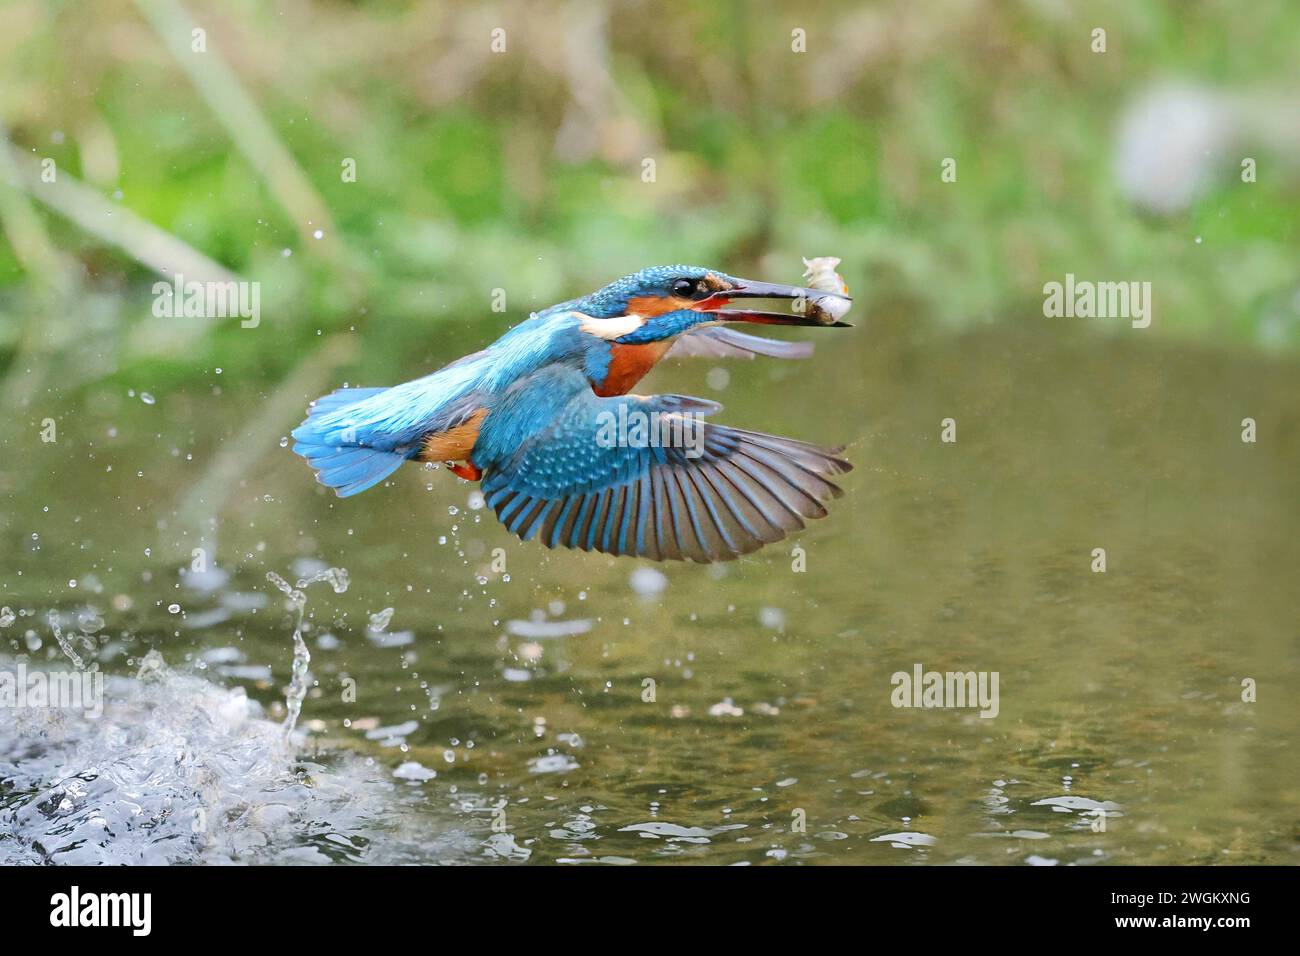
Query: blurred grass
522,170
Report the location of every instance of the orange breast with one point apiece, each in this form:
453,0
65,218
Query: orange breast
454,444
628,364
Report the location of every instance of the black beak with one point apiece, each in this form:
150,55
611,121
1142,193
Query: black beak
807,309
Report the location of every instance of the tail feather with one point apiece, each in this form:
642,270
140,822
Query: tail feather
341,398
340,459
356,470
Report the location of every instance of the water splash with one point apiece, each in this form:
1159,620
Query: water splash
64,643
297,691
178,770
379,620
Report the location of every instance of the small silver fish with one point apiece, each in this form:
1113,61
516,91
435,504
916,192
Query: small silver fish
821,275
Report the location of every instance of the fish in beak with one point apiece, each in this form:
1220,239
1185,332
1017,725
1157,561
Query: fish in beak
811,307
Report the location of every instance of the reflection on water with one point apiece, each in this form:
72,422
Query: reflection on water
580,709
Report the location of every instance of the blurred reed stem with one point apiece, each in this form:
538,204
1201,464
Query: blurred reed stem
248,128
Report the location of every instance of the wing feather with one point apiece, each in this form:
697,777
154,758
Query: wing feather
720,342
723,495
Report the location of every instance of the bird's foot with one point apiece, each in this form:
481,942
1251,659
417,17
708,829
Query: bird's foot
466,470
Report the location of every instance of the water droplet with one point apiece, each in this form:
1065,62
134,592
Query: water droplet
174,608
147,398
648,582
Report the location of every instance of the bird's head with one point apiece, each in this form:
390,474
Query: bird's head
664,301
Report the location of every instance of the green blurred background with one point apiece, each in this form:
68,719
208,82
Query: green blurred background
522,170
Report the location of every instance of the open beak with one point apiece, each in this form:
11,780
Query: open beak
809,304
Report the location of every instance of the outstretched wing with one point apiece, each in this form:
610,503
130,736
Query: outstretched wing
582,480
721,342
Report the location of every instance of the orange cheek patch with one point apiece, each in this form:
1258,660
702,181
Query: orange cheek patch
651,305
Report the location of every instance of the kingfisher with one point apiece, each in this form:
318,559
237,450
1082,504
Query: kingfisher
541,417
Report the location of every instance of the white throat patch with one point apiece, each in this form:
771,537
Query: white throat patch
613,328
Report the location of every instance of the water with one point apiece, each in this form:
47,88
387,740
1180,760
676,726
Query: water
586,712
179,770
297,691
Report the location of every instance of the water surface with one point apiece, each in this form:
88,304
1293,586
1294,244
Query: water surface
502,718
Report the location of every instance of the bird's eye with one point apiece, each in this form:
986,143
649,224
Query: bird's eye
686,288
